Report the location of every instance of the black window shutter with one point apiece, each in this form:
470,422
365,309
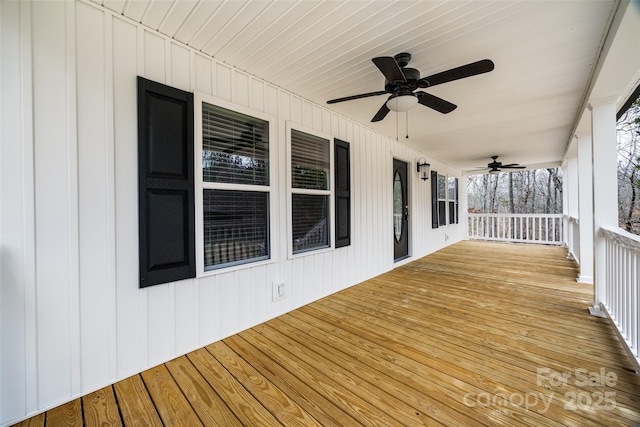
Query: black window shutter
165,183
342,193
434,199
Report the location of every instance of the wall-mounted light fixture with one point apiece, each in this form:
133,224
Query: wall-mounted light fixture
423,168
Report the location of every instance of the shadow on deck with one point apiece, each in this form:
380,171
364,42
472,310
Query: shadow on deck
475,334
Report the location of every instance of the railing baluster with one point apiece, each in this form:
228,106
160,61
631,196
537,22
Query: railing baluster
483,219
627,298
546,229
520,235
609,275
613,277
623,293
631,308
621,285
636,301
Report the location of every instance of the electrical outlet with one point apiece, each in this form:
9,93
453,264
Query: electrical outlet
278,290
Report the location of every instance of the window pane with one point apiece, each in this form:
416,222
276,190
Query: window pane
452,212
310,222
235,227
442,212
452,188
442,187
235,147
309,161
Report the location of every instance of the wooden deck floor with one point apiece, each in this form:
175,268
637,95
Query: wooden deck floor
476,334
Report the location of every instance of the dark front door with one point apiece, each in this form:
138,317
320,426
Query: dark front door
400,211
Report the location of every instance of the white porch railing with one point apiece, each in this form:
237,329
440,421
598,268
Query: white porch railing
573,237
622,266
524,228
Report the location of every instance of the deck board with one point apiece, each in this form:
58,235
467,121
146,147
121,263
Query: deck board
69,414
172,405
286,410
455,338
100,408
139,411
243,404
207,404
321,408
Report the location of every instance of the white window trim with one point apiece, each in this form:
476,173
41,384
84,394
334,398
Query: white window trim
200,185
449,200
446,200
290,191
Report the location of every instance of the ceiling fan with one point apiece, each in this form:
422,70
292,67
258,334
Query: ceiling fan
401,82
496,167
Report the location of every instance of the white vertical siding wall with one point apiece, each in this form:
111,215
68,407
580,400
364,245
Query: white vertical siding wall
72,318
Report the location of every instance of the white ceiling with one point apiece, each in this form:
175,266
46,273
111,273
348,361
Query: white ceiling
525,110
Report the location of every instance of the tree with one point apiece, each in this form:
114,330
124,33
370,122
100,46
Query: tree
512,206
628,136
516,192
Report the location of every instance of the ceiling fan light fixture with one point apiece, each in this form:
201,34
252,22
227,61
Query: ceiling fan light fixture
402,102
495,171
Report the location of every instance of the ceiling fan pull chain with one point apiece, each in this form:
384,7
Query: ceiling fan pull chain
407,128
397,131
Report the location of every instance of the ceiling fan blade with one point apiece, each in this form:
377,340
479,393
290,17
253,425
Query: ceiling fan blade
436,103
390,68
514,166
381,114
352,97
475,68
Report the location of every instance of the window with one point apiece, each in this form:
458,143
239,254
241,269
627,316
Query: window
442,200
309,175
235,199
453,200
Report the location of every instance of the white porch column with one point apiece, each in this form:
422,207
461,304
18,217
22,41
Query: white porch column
570,205
585,207
605,185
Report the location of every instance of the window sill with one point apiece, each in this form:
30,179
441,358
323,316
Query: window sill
237,267
310,252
